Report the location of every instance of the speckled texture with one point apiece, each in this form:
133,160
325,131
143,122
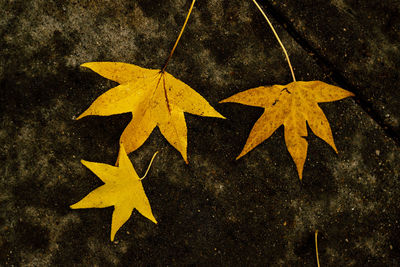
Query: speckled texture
214,211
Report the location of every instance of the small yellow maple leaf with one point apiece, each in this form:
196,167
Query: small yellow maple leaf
291,105
154,98
123,189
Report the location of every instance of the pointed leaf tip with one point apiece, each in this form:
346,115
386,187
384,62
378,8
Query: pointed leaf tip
80,116
74,206
86,64
152,218
240,155
220,116
224,101
84,162
349,94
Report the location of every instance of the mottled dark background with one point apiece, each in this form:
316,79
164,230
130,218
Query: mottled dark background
214,211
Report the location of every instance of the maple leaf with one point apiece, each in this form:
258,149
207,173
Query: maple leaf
290,105
123,189
154,97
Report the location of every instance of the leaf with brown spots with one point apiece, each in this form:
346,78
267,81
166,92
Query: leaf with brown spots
154,97
292,106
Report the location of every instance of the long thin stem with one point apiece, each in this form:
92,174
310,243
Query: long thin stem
148,168
316,247
179,36
277,37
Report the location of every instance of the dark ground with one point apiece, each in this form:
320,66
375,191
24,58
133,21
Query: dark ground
214,211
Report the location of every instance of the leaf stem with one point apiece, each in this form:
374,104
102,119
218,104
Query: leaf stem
179,37
316,247
148,168
277,37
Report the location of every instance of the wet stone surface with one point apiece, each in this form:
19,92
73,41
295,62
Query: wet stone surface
214,211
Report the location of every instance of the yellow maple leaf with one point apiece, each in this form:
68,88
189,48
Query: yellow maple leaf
291,105
154,97
122,189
